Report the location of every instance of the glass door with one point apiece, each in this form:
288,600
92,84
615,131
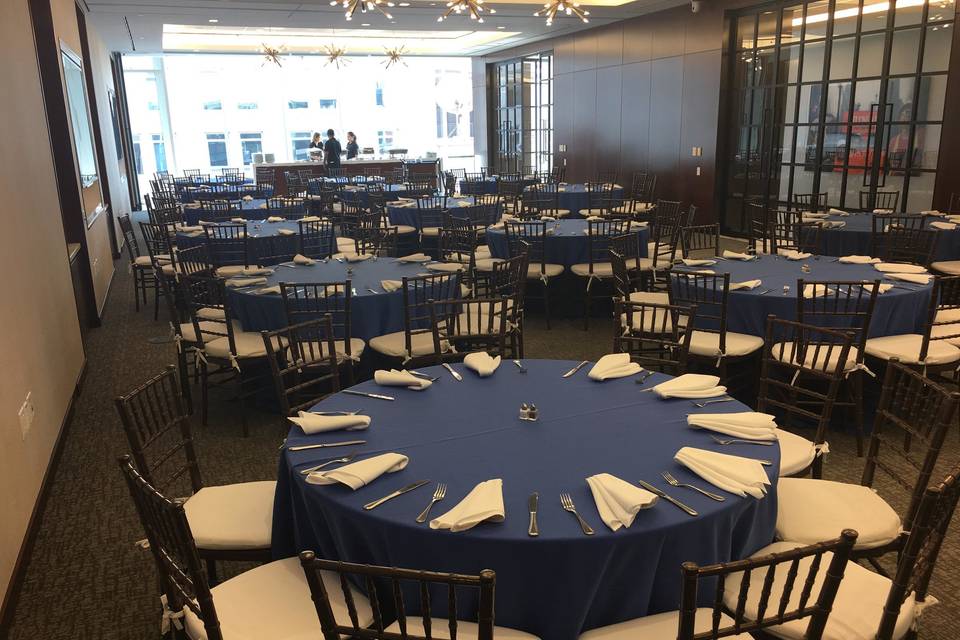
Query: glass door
521,102
838,96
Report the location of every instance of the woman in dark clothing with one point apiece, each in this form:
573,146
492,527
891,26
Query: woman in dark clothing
352,147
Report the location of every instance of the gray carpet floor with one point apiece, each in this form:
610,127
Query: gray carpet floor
86,578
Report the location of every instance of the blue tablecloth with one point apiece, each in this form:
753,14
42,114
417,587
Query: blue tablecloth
408,214
567,245
463,433
854,238
373,314
574,197
900,310
265,240
250,209
478,187
391,192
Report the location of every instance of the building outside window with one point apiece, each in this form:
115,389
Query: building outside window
246,106
213,105
452,122
251,143
328,103
159,152
297,104
299,144
385,140
138,161
379,94
217,149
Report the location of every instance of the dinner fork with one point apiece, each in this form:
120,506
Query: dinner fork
720,440
343,460
520,366
567,503
673,482
715,400
438,495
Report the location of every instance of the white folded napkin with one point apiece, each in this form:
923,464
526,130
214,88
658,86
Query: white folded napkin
690,385
916,278
275,218
793,254
837,212
263,206
362,473
698,263
589,218
899,267
238,219
303,260
391,285
446,267
352,257
313,423
833,224
882,211
285,232
482,363
415,257
548,218
946,226
748,284
618,501
858,260
311,219
256,271
953,218
883,288
496,226
814,215
736,474
614,365
400,378
189,228
749,425
733,255
932,212
245,282
817,291
274,290
484,502
247,198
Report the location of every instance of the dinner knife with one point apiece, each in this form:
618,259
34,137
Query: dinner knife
378,396
398,492
304,447
652,489
453,372
533,531
576,368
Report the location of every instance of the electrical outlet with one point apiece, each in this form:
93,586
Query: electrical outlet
26,415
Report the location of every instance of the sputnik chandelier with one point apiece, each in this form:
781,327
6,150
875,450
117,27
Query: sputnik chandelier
271,54
336,56
474,8
395,56
553,7
350,6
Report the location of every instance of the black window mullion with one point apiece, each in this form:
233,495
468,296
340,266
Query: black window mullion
917,77
853,94
796,105
824,91
881,141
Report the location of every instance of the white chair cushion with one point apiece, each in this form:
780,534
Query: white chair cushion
273,601
211,313
906,347
439,629
248,343
656,322
549,271
600,270
856,610
796,453
949,267
809,511
430,232
661,626
786,354
230,270
189,335
402,229
340,346
707,343
394,344
168,270
232,516
346,245
652,297
486,264
142,261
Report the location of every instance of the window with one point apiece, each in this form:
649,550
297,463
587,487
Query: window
159,152
299,144
217,149
439,122
385,140
379,94
250,143
138,161
297,104
452,120
521,132
153,106
213,105
246,106
328,103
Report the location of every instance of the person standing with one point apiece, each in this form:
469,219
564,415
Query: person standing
352,147
332,150
316,142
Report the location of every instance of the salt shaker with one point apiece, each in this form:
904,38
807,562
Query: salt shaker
786,289
533,413
524,411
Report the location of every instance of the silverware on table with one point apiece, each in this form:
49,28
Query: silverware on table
673,482
725,441
575,369
304,447
520,366
453,372
372,290
652,489
643,377
422,376
343,460
567,503
532,503
398,492
378,396
713,401
438,495
335,413
764,292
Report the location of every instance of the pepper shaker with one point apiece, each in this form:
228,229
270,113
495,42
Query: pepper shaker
533,413
524,411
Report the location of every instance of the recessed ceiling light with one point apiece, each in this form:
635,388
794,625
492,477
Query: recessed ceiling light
501,27
364,24
404,4
214,20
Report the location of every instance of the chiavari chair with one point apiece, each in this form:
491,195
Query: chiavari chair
657,336
700,242
307,301
541,201
218,211
140,265
158,240
316,239
529,237
470,324
809,202
598,267
510,188
228,247
601,200
880,201
289,207
305,366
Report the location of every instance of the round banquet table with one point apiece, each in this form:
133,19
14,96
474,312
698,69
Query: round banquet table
463,433
854,238
250,209
902,309
391,192
567,243
477,187
574,197
372,314
265,240
406,212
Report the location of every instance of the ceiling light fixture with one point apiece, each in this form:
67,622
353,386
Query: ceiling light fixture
395,56
474,8
350,6
553,7
336,56
213,20
271,54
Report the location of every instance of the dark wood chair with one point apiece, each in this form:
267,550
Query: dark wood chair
598,269
144,279
471,324
812,202
882,200
304,363
529,236
307,301
700,242
656,336
316,239
228,247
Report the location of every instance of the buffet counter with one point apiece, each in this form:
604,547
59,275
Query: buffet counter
422,168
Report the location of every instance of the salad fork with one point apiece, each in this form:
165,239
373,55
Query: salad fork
715,400
343,460
567,503
719,440
438,495
673,482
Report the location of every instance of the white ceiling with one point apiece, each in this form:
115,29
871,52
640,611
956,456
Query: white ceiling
145,19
